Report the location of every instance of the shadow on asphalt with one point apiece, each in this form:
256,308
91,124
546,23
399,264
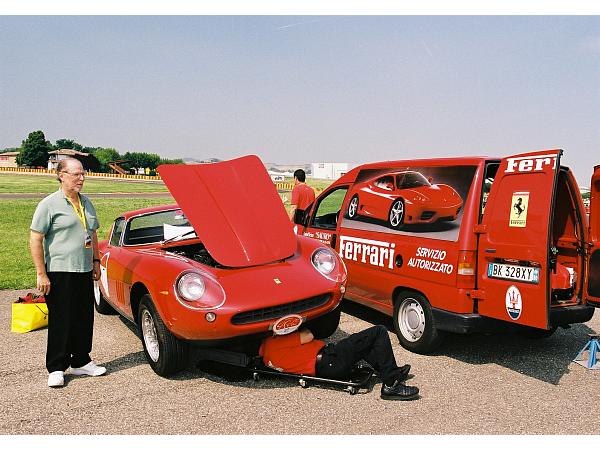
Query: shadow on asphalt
544,359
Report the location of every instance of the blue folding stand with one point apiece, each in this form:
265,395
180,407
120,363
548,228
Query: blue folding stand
593,347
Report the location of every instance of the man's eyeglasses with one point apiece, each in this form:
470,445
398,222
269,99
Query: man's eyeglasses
76,174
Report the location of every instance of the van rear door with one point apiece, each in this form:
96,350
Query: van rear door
593,273
514,240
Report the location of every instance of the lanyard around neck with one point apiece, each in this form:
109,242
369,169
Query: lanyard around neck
80,212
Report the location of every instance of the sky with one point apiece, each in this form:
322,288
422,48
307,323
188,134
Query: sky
302,89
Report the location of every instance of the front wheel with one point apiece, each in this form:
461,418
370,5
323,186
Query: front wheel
353,207
165,353
396,214
414,325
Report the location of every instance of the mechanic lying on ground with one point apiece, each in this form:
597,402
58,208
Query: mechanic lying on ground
300,353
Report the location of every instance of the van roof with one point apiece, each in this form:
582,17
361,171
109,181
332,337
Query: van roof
457,161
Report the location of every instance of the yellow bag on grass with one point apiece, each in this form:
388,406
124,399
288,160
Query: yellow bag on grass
28,317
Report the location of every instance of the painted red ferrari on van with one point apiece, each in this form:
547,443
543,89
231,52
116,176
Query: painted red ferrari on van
519,255
404,197
223,263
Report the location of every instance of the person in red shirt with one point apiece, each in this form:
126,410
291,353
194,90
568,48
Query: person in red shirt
300,353
302,194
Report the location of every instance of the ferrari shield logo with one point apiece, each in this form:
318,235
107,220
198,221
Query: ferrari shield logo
519,208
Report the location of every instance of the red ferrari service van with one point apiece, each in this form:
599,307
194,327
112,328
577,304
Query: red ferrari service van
464,244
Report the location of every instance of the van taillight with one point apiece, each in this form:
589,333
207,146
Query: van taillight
466,269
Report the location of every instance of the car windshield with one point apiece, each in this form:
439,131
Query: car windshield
156,227
410,180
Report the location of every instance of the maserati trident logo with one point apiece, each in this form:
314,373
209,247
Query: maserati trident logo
514,302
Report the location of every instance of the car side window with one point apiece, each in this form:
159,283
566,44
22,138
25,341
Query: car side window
386,183
328,209
117,232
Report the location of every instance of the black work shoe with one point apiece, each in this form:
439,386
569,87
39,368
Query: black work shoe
399,391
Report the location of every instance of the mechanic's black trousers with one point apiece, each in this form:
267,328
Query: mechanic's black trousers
70,320
373,345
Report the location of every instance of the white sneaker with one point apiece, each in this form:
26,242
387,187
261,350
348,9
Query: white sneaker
90,369
56,379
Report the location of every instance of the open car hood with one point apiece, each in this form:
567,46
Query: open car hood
234,209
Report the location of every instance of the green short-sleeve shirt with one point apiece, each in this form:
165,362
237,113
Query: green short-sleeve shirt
64,235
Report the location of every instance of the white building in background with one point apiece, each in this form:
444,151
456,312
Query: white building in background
330,170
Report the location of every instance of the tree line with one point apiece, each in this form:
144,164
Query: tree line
34,152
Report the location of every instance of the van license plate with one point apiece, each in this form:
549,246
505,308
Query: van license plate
516,273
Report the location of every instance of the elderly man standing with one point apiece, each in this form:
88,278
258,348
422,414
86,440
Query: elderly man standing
64,249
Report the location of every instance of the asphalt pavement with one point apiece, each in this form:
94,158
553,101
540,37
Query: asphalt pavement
483,384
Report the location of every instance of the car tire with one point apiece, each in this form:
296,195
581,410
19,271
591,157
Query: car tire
324,326
414,325
165,353
100,303
396,214
352,211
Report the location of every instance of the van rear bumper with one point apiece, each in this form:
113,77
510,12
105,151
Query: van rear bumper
571,314
473,323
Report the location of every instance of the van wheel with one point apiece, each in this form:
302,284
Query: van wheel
353,207
396,215
413,323
165,353
100,303
324,326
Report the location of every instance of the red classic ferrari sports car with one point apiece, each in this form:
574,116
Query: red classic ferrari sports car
222,263
405,197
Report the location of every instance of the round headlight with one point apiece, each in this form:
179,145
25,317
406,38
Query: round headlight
324,261
191,286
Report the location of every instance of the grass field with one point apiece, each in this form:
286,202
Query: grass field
16,268
45,184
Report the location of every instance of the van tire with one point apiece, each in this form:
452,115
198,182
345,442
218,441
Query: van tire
398,211
353,207
413,323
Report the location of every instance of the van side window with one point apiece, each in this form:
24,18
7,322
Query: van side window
490,173
117,232
328,209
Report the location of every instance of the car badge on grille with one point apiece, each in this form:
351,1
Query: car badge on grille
287,324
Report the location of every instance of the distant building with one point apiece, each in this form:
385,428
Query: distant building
8,159
57,155
330,170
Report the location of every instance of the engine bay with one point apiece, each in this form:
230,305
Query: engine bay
196,252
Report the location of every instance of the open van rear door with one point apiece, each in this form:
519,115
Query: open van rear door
593,265
514,240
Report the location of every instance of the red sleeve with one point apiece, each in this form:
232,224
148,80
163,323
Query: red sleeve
295,194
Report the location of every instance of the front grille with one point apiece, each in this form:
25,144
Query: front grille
427,215
275,312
